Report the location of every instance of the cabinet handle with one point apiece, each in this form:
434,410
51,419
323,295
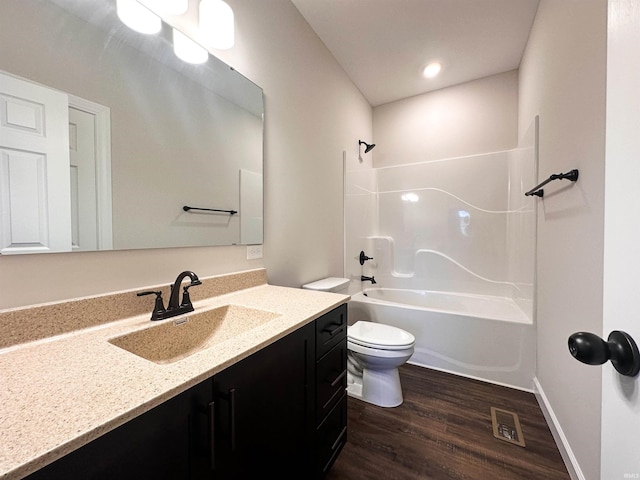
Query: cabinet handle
336,394
335,451
335,330
212,435
232,417
340,377
339,439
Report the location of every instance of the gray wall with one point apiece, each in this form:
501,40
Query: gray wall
313,113
174,144
480,116
562,78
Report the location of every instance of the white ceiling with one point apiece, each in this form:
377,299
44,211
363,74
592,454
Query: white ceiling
384,45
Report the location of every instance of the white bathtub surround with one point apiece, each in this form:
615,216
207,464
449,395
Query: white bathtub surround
482,337
459,232
479,306
460,224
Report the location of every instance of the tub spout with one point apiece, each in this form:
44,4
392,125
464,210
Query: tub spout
368,279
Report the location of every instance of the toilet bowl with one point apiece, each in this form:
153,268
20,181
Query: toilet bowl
375,351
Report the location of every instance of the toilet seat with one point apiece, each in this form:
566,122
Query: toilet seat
379,336
378,352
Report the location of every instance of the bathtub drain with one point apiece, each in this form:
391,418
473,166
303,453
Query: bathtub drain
506,426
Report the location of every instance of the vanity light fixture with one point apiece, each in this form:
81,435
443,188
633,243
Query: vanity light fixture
137,17
188,50
432,70
216,23
173,7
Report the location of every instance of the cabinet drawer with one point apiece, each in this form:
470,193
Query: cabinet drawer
330,329
331,378
332,435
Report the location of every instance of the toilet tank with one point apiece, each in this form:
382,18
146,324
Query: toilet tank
330,284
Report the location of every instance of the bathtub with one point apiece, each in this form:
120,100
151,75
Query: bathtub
477,336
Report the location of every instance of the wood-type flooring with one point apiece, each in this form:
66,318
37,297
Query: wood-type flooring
443,430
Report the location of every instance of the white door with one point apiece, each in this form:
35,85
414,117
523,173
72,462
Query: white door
620,394
82,155
35,208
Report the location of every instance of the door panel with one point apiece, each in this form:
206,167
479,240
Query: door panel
263,406
34,160
621,394
82,152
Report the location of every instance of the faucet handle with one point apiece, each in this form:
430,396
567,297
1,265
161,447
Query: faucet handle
363,257
186,299
158,309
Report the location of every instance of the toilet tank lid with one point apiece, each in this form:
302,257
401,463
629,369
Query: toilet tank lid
330,284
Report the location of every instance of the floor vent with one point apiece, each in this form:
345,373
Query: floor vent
506,426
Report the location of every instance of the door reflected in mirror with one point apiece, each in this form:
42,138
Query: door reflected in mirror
106,136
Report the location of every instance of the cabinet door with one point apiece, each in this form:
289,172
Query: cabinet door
264,411
158,444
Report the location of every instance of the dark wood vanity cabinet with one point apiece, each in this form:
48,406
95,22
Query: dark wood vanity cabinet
331,383
281,413
263,412
158,444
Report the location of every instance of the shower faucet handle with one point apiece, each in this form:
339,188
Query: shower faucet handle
364,258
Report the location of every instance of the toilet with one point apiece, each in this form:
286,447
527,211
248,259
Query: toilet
375,352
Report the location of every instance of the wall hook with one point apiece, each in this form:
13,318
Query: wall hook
620,348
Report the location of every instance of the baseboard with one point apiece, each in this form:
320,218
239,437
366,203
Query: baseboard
568,457
472,377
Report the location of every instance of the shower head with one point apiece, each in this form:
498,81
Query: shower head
368,147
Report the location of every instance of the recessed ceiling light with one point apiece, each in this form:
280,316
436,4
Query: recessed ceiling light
432,70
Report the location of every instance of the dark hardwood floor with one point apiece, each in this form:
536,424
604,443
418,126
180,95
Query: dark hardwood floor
443,430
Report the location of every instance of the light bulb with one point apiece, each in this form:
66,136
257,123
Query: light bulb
432,70
174,7
137,17
188,50
217,23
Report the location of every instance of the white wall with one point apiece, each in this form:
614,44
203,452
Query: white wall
313,113
562,78
475,117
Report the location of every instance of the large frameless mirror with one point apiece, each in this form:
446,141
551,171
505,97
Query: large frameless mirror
106,136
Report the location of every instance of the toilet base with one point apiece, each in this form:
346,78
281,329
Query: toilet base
378,387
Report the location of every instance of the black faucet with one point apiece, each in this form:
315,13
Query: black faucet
185,305
368,279
174,308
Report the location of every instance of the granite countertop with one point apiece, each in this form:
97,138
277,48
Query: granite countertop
61,392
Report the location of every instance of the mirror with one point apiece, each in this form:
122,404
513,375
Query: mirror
105,135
